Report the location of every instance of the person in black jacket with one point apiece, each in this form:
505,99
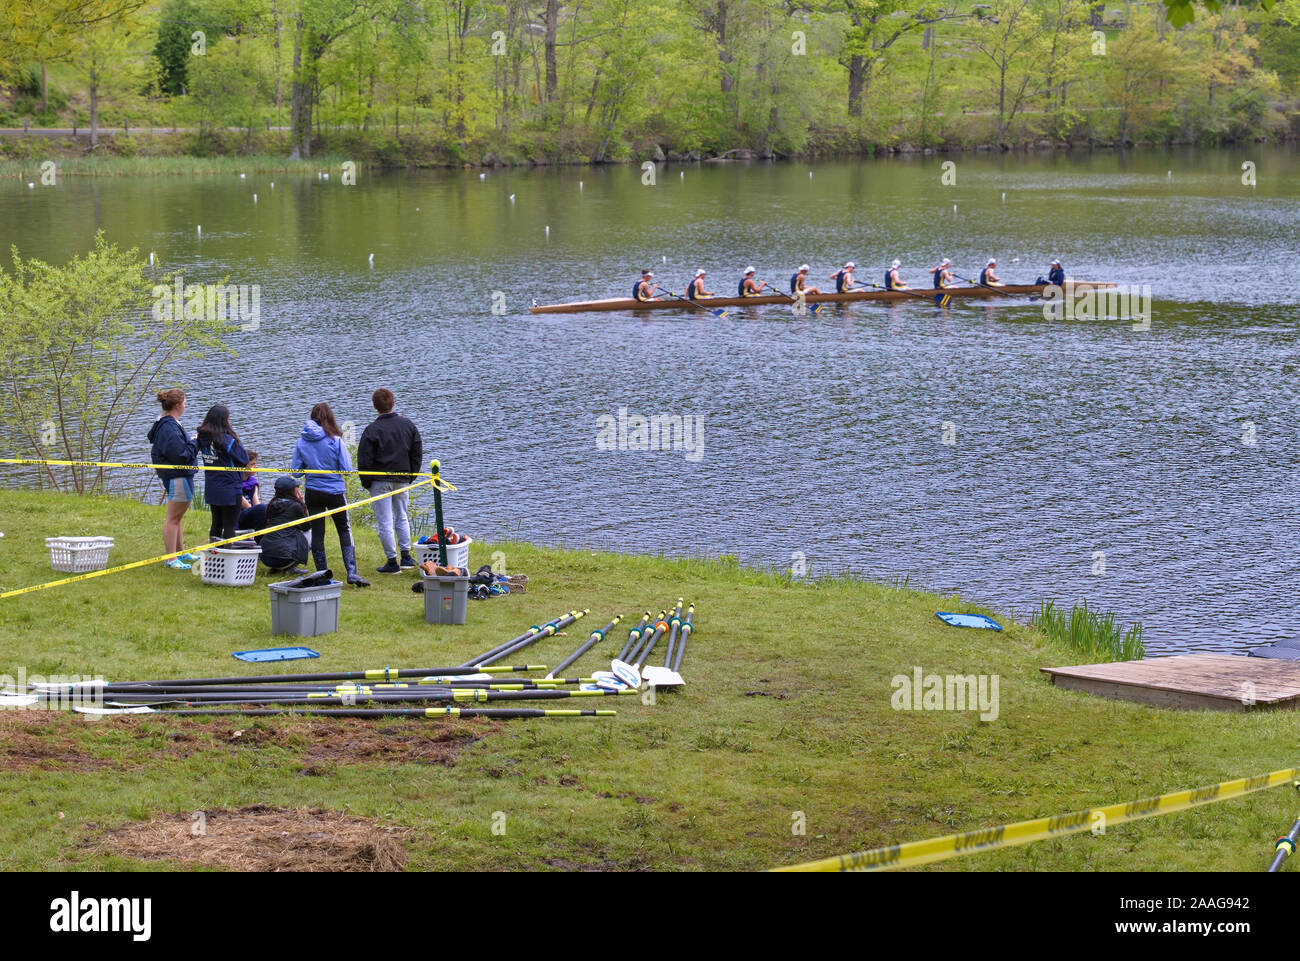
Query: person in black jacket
285,550
219,446
390,443
171,445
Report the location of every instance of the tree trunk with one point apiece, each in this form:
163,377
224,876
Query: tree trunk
298,102
45,90
278,98
857,76
552,27
94,110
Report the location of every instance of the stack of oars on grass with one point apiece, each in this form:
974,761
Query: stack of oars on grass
431,692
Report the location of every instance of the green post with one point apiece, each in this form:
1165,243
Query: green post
437,515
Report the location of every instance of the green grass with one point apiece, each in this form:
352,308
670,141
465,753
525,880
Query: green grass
787,710
108,165
1092,635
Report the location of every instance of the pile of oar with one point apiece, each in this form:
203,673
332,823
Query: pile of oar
387,692
382,692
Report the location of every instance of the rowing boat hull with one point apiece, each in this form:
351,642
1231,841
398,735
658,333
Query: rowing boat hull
917,296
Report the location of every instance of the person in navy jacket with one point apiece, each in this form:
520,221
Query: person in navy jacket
171,445
219,446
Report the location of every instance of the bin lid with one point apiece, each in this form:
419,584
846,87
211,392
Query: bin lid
276,654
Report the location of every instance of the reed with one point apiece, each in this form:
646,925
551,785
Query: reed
1092,634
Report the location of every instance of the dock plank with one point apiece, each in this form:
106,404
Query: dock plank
1222,682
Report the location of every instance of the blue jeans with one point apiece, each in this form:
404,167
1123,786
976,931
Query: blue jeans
390,516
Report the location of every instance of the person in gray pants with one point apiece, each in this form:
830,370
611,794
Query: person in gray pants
390,443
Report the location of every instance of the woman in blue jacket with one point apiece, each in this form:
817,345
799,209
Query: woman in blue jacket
171,445
219,446
321,447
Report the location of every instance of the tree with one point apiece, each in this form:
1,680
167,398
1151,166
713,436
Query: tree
108,60
81,350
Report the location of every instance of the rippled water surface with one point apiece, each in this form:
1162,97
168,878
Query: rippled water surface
822,435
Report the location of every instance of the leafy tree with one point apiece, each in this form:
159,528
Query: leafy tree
81,350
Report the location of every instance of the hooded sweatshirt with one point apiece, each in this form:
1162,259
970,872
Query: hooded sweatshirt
171,445
317,450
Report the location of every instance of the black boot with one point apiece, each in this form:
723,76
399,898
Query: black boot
318,556
390,567
350,562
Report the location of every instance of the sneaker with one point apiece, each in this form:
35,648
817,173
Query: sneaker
188,558
176,564
407,562
390,567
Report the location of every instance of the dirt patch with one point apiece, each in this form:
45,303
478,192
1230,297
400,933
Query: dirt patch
45,740
321,741
262,839
36,739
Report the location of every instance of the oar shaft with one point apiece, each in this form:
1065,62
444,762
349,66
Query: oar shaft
687,629
675,623
1283,849
513,641
564,622
387,673
633,636
646,633
587,645
388,712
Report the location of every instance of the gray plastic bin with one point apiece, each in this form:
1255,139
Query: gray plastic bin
305,611
445,599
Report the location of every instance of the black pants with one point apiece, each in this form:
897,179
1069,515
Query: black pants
316,502
225,520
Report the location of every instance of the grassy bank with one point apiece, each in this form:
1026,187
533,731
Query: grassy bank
787,710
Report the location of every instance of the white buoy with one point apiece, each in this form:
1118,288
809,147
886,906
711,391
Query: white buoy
372,260
1169,174
272,184
482,176
254,198
683,174
30,184
579,184
151,258
1004,196
200,230
665,258
954,210
327,176
512,198
810,175
548,231
1015,260
241,176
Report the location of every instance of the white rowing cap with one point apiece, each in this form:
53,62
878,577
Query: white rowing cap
700,272
896,263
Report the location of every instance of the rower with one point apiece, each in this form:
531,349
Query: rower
844,278
988,277
942,274
891,278
1057,274
696,291
643,289
799,282
749,287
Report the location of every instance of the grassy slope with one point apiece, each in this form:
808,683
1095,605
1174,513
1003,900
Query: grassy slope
706,779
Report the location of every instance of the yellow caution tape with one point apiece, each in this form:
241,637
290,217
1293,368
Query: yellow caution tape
205,547
35,462
914,853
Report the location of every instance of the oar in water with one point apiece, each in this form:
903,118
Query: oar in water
812,308
941,298
715,311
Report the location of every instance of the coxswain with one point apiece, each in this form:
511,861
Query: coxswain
644,288
942,274
891,278
988,277
799,282
749,287
696,291
1057,274
844,278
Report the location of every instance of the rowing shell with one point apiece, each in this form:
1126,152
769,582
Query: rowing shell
916,295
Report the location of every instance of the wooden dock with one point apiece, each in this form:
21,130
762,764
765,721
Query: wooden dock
1213,682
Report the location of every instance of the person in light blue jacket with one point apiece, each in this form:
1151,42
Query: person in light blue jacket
321,447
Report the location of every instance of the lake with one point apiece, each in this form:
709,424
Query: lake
984,448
